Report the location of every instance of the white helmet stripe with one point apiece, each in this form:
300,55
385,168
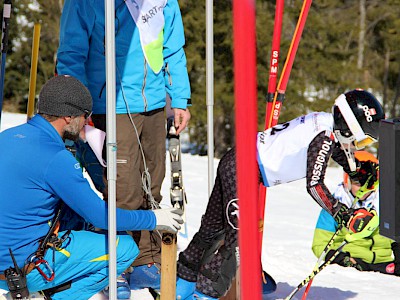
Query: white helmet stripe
349,117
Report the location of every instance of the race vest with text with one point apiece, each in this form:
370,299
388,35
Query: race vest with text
149,18
282,149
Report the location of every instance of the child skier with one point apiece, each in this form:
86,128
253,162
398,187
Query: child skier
373,253
286,152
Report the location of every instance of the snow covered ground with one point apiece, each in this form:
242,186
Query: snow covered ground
291,215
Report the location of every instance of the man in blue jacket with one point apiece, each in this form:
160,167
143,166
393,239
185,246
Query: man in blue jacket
150,63
37,173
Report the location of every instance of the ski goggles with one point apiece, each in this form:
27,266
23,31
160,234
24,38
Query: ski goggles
368,140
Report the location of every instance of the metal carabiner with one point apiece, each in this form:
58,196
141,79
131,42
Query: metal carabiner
40,261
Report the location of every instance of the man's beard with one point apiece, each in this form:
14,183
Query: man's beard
70,136
72,131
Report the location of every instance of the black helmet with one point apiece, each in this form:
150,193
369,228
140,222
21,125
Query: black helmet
367,112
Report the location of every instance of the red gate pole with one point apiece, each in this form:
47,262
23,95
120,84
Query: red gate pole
246,129
276,94
273,72
287,68
274,58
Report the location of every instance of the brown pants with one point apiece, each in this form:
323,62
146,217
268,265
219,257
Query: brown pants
130,166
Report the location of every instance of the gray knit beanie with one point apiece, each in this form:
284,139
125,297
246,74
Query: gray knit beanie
64,96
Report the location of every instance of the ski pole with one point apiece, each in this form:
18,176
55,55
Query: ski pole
324,252
4,48
307,290
316,271
350,237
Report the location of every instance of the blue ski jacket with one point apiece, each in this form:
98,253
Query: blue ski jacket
81,54
36,172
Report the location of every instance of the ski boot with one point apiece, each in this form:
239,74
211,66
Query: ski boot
145,276
200,296
123,289
184,289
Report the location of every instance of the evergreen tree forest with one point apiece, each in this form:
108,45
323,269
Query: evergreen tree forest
346,44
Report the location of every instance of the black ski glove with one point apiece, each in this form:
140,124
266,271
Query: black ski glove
343,215
343,259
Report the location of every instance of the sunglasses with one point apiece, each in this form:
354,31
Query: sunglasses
85,111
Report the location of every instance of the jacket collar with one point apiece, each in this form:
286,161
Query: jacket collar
40,122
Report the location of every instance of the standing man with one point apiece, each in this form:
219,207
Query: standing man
150,63
37,175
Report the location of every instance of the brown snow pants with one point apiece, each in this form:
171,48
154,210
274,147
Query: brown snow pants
151,132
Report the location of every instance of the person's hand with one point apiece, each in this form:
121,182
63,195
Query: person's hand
181,119
362,224
344,259
343,215
360,219
341,259
168,219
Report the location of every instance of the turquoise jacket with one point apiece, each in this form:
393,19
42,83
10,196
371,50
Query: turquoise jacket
36,172
374,249
81,54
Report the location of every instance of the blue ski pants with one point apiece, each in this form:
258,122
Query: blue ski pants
82,259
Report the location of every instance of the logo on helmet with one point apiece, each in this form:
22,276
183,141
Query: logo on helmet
368,113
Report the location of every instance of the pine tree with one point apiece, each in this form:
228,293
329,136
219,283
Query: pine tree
330,59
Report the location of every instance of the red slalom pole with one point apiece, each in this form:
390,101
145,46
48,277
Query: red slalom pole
274,58
273,72
277,96
244,36
287,68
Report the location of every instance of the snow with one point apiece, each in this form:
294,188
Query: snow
291,215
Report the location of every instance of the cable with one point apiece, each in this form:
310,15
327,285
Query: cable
146,177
